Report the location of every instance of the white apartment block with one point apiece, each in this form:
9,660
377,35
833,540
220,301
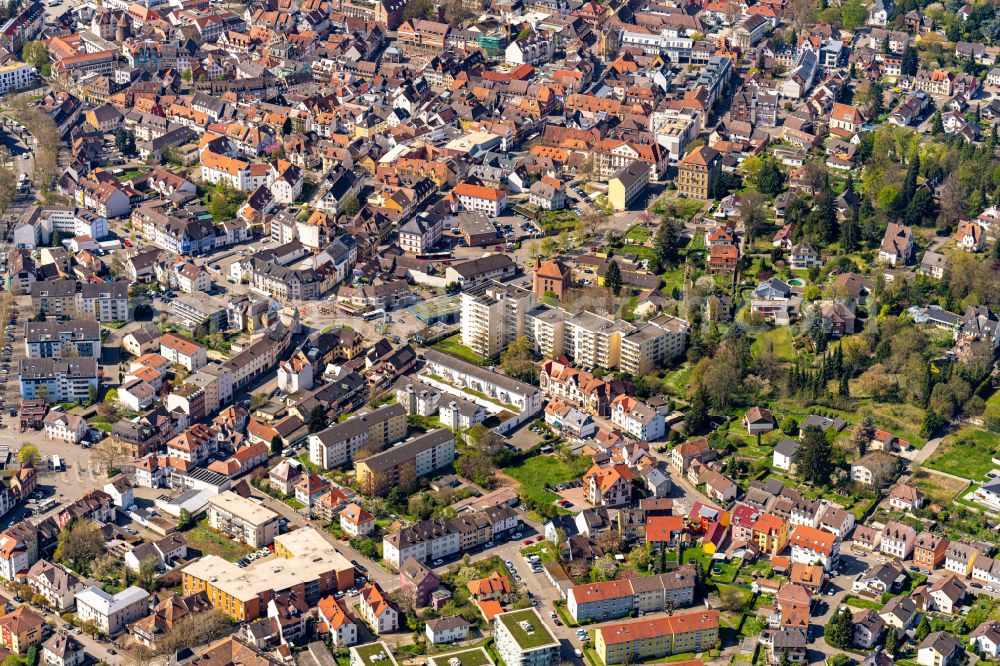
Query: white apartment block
524,397
493,316
522,639
592,340
242,519
111,613
336,446
16,76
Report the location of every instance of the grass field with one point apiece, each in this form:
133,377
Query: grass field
992,407
676,382
937,488
967,454
453,345
535,473
209,542
780,340
638,234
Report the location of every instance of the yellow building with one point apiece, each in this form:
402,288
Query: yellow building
770,533
303,562
626,184
698,171
632,642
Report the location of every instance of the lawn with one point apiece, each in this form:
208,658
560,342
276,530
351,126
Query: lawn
538,472
676,382
638,234
453,345
967,454
858,602
209,542
779,340
938,488
992,410
672,279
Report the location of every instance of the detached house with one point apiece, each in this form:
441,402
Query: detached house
897,245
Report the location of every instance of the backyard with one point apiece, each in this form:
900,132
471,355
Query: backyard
537,473
209,542
453,345
967,453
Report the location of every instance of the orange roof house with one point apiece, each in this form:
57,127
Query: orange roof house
493,587
663,529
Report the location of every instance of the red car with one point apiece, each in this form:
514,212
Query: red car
127,243
538,539
527,542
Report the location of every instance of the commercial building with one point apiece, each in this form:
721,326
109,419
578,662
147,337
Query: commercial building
626,184
632,642
337,445
522,639
303,563
407,462
242,519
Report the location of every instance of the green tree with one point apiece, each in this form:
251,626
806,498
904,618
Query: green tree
910,63
219,208
36,54
125,141
815,454
840,629
352,206
92,395
923,629
665,244
613,278
771,180
891,641
78,545
28,456
276,445
696,418
995,252
853,13
185,520
418,9
850,232
317,419
517,361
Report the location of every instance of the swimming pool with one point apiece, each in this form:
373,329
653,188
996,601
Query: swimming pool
797,282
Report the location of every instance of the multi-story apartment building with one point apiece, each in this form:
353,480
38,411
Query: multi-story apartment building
579,388
337,445
58,380
614,599
111,613
103,301
637,418
242,519
898,540
959,558
431,539
523,397
51,339
522,639
493,316
304,563
698,172
407,462
815,546
929,550
642,640
55,298
592,340
16,76
488,200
